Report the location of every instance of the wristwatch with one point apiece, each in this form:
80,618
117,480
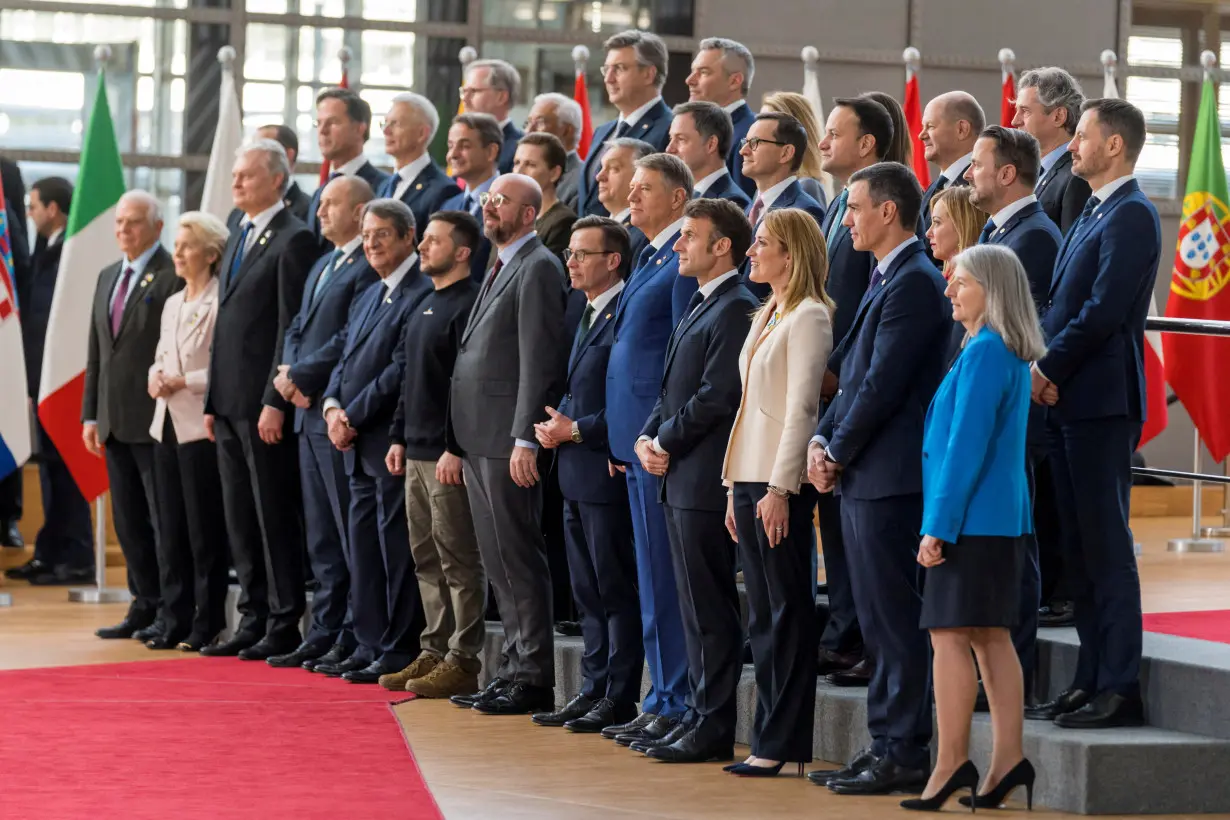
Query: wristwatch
576,434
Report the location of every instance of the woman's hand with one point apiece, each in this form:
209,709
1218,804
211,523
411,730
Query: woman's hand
730,519
774,513
930,551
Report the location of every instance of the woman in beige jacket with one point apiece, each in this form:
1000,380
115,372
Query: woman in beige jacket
192,542
770,502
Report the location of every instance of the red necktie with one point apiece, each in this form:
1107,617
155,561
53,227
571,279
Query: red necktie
757,209
495,271
117,303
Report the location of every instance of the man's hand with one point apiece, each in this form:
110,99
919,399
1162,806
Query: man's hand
612,468
340,432
299,400
282,383
395,459
448,470
209,427
269,425
1038,384
89,435
652,461
828,385
820,471
930,551
523,466
1050,395
554,432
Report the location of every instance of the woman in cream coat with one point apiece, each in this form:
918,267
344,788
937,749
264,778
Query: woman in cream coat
769,509
192,540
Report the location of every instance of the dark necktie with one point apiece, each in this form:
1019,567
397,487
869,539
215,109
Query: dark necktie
876,278
839,212
495,272
987,230
237,259
120,300
757,210
587,321
622,129
1090,206
694,303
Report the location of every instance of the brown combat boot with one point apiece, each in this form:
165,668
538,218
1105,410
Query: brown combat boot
446,680
422,665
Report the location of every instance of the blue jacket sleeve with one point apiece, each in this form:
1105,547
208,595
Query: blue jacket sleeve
311,375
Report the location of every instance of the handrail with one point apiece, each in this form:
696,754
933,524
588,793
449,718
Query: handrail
1191,327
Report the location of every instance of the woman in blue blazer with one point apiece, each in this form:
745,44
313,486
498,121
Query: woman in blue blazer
976,515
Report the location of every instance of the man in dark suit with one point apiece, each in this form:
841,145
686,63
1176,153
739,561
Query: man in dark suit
634,72
951,125
1048,105
491,87
343,125
597,521
557,114
409,128
683,444
1092,377
1002,174
262,275
64,547
116,406
516,327
722,73
618,166
11,485
309,353
474,142
359,405
295,200
646,315
869,445
701,134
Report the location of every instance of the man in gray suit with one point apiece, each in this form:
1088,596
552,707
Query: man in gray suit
557,114
509,367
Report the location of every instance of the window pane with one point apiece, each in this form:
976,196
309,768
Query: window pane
571,15
263,101
1155,47
265,53
1157,98
388,59
1157,168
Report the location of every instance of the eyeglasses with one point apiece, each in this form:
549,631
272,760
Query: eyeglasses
581,256
471,90
755,142
496,200
380,235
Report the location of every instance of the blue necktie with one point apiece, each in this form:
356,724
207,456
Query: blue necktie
647,253
326,273
388,187
1090,206
839,211
237,259
987,230
694,303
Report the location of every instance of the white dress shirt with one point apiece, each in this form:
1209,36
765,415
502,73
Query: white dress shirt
606,297
1109,188
622,216
1005,213
706,183
770,196
635,117
734,106
259,223
953,172
666,233
351,168
409,172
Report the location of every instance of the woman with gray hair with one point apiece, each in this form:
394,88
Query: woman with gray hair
192,543
976,516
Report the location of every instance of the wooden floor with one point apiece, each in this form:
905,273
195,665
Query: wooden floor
505,767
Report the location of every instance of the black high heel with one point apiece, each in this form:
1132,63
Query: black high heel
965,777
1022,774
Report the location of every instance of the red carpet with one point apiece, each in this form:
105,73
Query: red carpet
201,738
1213,625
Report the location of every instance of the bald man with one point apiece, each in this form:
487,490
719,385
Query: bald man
951,125
509,367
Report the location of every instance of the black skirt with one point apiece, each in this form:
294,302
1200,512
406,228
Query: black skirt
979,584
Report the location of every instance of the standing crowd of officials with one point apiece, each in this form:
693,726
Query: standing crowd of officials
673,353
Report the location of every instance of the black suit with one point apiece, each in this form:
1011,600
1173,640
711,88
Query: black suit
691,421
296,201
370,173
116,397
725,187
260,492
1062,194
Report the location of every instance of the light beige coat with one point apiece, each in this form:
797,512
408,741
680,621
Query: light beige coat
782,369
184,340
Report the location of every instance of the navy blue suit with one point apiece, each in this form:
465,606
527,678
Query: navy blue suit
370,173
792,196
385,605
888,367
1061,193
724,187
741,118
508,148
598,526
653,128
643,324
1094,323
424,196
312,349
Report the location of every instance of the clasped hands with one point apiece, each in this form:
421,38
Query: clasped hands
553,432
821,472
287,389
1042,390
652,461
162,386
340,432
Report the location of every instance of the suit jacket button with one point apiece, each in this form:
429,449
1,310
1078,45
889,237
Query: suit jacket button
663,393
567,397
839,391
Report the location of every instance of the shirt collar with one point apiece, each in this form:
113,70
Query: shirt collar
415,167
734,106
887,261
622,216
1109,188
55,237
404,268
1012,208
706,183
635,117
261,221
605,298
770,196
351,168
138,264
483,186
350,247
707,290
1048,161
509,251
666,233
953,172
504,123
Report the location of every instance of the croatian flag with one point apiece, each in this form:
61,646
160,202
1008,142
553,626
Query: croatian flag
14,406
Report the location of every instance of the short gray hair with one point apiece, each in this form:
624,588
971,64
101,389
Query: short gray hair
275,158
153,208
640,149
395,211
1010,310
649,48
735,58
503,77
208,230
673,170
1056,88
424,107
566,108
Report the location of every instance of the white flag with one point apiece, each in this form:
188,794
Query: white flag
228,136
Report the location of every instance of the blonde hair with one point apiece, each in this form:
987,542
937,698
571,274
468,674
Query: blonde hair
801,237
967,219
210,231
1010,310
797,106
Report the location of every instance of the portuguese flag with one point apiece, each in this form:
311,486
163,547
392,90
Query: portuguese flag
1198,367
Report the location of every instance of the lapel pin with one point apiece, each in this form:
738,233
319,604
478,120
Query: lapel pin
608,316
659,261
388,300
429,312
418,187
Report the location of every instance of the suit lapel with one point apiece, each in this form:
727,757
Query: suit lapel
343,267
692,318
595,330
1064,159
497,287
111,276
1001,234
870,296
1103,210
136,292
643,275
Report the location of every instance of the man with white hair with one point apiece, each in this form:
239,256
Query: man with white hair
560,115
409,128
116,406
722,73
491,87
261,277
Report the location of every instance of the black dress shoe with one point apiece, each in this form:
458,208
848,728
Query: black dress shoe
659,727
62,575
10,536
577,707
303,652
494,688
267,647
861,762
639,722
124,629
882,777
857,675
680,729
694,747
1057,614
1068,701
605,713
154,630
368,674
570,629
1109,710
231,648
163,641
518,699
829,662
27,570
336,654
336,670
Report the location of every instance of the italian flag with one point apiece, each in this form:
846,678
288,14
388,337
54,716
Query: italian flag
89,244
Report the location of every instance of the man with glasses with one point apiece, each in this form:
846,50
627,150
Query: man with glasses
474,145
634,72
491,87
343,124
409,128
557,114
